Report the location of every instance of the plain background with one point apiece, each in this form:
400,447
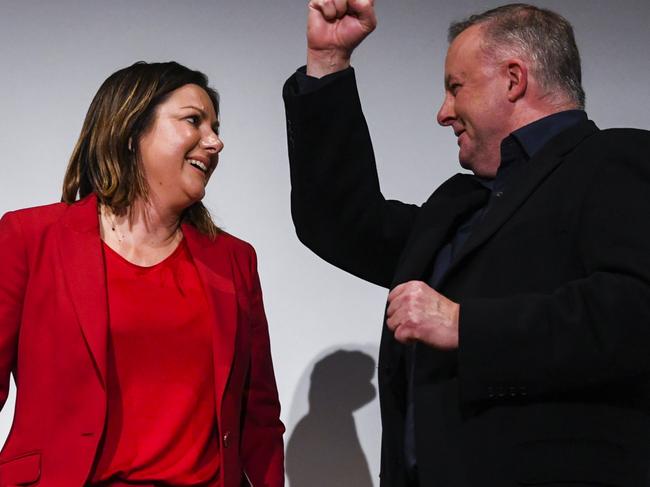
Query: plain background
55,54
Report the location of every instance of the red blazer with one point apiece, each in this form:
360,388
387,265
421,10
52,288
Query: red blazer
53,330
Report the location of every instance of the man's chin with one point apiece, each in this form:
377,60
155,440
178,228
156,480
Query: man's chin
465,163
480,170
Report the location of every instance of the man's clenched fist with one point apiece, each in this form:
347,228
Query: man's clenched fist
416,312
334,29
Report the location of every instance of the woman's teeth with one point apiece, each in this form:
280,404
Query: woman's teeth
198,164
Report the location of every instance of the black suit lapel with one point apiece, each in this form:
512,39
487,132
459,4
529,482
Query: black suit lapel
438,218
451,204
525,180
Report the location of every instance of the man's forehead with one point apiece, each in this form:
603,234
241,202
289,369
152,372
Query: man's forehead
462,49
470,37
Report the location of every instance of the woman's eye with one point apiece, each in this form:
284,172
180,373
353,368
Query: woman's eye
193,119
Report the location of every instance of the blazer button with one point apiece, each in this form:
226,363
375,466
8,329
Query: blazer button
226,439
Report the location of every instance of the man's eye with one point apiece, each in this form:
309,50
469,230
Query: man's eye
454,88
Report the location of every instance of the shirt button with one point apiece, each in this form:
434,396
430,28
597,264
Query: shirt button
226,439
498,194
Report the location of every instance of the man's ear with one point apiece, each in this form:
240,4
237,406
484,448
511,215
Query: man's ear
517,75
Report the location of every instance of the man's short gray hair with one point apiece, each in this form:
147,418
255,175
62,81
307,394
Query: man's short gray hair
541,37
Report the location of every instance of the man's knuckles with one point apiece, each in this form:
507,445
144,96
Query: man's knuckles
391,323
331,9
341,7
417,288
404,334
362,6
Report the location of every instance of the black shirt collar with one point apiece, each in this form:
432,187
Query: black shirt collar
534,136
525,142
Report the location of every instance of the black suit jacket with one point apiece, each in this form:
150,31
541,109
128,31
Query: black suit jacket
551,381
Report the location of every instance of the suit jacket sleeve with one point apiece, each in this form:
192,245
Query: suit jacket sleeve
13,268
336,203
592,335
262,449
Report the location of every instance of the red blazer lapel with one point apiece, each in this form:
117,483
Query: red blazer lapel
80,248
214,266
83,264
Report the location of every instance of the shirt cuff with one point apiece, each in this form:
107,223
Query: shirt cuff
308,84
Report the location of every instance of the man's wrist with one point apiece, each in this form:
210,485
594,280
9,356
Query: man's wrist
323,62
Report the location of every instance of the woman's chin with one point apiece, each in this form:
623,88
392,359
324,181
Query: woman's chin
195,193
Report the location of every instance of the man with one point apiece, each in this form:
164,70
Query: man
516,342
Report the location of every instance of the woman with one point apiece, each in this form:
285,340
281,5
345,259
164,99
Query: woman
133,326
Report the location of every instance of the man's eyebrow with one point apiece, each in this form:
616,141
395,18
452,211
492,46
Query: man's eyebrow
449,79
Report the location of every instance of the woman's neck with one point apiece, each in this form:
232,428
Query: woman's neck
144,235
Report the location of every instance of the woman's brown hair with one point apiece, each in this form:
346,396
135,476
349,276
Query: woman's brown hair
105,158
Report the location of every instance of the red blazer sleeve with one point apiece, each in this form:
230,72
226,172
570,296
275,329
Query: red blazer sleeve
262,449
14,271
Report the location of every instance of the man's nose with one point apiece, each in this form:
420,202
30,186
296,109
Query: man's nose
446,115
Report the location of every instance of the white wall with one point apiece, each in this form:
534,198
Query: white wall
54,55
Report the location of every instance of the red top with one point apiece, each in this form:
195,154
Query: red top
161,409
